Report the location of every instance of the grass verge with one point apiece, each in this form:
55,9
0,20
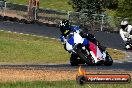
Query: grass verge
116,54
28,49
16,48
52,4
60,84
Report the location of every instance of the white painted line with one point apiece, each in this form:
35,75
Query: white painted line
1,30
20,23
115,49
53,38
34,35
40,36
118,62
21,33
9,31
15,32
46,37
129,61
26,34
128,56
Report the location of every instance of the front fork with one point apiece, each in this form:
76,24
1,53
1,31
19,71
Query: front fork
88,54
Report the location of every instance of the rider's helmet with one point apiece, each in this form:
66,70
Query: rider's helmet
124,24
65,27
65,23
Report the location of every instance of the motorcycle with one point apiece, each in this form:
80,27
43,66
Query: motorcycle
88,51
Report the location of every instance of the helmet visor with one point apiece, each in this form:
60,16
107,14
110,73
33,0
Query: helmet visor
123,26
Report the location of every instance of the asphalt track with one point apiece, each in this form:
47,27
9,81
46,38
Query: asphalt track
126,66
112,40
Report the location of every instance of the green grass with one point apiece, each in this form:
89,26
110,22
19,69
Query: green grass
28,49
60,84
52,4
16,48
116,54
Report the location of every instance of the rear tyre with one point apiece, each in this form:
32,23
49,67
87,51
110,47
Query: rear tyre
108,60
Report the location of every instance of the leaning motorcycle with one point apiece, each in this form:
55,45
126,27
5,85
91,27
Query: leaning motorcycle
88,52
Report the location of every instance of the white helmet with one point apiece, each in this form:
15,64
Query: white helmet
124,24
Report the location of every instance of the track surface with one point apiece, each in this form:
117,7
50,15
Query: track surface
126,66
36,29
111,40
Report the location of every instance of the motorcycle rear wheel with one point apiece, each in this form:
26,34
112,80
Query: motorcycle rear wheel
108,60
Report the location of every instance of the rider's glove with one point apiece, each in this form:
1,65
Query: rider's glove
62,38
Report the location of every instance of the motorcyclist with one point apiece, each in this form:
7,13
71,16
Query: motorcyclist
126,33
66,29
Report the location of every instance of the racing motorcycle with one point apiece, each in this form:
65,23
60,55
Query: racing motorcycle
88,51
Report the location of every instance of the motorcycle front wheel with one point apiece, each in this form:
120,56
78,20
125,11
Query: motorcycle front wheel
84,57
74,60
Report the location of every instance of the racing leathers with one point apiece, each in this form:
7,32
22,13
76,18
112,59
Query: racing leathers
126,33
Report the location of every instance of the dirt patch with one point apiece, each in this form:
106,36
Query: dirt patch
13,75
12,13
32,75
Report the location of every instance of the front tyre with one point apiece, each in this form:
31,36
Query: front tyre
108,60
74,60
84,57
